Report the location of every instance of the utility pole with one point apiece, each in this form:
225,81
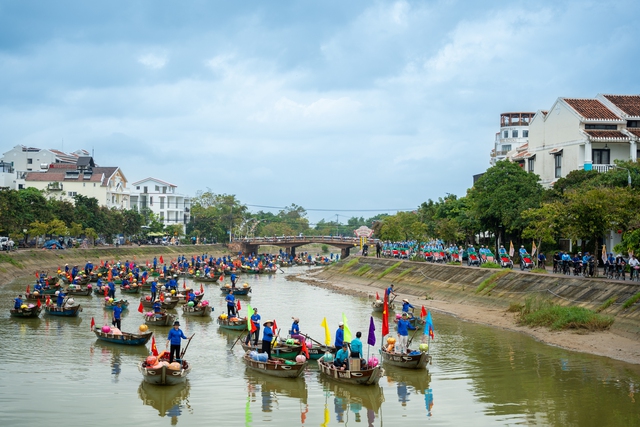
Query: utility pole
337,222
230,223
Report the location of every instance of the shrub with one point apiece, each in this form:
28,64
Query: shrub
389,270
490,265
490,282
542,312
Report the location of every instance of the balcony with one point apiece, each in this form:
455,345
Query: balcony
603,168
54,186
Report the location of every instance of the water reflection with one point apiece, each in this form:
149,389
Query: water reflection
168,401
353,399
113,354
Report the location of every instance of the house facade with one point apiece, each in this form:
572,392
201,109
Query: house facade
163,199
513,135
585,133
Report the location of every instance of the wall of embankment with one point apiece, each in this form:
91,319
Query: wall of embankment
461,284
25,262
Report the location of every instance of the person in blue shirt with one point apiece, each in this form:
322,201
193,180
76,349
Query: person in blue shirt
174,338
18,302
356,346
523,251
191,296
234,280
60,299
502,250
117,315
112,290
154,289
157,308
231,304
295,329
390,291
255,318
403,333
339,336
406,306
267,337
341,357
37,287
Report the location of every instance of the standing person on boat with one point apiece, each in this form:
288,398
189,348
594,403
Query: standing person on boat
406,306
174,338
117,315
342,355
234,280
403,333
60,298
18,302
231,304
267,337
339,336
157,308
390,291
295,329
255,318
112,289
356,346
154,289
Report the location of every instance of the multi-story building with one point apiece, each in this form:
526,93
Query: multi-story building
162,199
64,181
514,133
584,134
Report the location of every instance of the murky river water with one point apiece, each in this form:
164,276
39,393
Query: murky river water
55,371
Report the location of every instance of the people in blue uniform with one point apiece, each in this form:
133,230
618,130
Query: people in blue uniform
255,318
406,306
339,336
117,315
231,304
342,355
17,302
174,338
295,329
267,337
356,346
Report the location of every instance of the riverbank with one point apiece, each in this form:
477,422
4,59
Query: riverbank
453,290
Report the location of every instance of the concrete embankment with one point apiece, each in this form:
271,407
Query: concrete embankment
460,285
26,262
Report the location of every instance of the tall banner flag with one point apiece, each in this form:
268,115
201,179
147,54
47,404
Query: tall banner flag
250,326
140,307
93,322
347,331
604,253
274,327
428,326
371,340
154,349
533,248
327,335
511,250
385,317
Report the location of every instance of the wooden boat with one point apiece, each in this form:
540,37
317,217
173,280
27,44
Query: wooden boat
234,325
131,290
182,297
166,319
197,311
416,361
67,311
366,376
317,351
281,351
267,270
206,279
109,305
50,290
83,280
236,291
378,306
125,338
164,375
275,367
78,291
37,296
167,304
28,312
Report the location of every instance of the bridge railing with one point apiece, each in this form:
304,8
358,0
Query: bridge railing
310,239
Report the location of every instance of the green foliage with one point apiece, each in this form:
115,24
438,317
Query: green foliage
362,270
542,312
539,271
628,303
404,273
325,249
9,260
606,304
350,264
389,270
490,282
490,265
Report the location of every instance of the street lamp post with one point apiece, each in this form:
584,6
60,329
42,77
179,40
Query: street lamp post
628,175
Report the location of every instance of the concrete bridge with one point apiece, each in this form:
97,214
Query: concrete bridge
290,243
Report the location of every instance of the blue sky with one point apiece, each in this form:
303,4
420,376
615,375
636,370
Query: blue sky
328,105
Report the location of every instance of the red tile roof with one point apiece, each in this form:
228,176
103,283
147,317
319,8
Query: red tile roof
607,134
591,109
629,104
58,175
634,131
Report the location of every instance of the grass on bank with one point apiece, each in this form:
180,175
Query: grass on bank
389,270
538,311
404,273
9,260
606,304
362,270
628,303
490,265
490,282
349,264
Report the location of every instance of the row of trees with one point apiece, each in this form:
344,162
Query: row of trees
509,203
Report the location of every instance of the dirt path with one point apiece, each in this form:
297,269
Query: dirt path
604,343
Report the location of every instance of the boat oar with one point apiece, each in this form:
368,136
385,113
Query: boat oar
236,341
413,335
186,347
317,342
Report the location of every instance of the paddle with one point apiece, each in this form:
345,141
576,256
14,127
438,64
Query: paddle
186,347
236,341
317,342
412,336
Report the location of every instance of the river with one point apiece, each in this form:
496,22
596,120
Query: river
54,371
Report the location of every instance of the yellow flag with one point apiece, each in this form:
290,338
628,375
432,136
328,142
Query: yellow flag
533,248
347,331
327,335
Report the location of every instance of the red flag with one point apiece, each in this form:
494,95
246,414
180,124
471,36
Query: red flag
93,323
385,316
221,278
39,303
140,307
161,260
423,312
154,349
106,289
184,285
28,289
238,306
305,350
253,326
48,300
275,326
377,297
186,298
201,289
37,275
162,296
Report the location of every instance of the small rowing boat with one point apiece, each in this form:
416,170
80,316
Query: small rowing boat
125,338
65,310
233,323
275,367
236,291
410,360
28,312
197,310
366,376
167,304
159,319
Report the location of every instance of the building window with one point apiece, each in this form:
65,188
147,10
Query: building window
157,188
20,186
151,201
137,187
29,161
161,202
601,127
505,134
600,156
530,163
506,147
164,189
162,216
557,159
72,193
633,123
145,190
525,134
514,133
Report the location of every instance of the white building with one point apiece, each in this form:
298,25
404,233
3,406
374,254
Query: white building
63,181
162,199
514,133
584,134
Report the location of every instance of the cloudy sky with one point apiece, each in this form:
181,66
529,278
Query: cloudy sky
332,105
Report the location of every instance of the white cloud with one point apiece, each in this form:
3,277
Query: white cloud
153,61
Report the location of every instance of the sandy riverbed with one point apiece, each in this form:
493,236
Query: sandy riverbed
604,343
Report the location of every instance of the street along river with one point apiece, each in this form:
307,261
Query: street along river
54,371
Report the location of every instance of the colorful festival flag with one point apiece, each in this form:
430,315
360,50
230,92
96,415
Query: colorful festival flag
428,326
371,340
39,303
511,250
238,306
604,253
533,248
201,289
385,316
347,331
305,350
274,327
93,322
423,312
250,326
140,307
28,290
327,335
154,349
161,296
377,297
161,260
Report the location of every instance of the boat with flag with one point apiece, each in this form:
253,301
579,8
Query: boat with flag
115,336
65,310
27,311
244,290
408,358
232,323
274,367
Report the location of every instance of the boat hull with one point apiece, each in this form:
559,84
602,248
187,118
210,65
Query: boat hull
26,313
166,320
407,361
274,369
62,311
238,325
124,339
164,375
361,377
196,311
282,352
